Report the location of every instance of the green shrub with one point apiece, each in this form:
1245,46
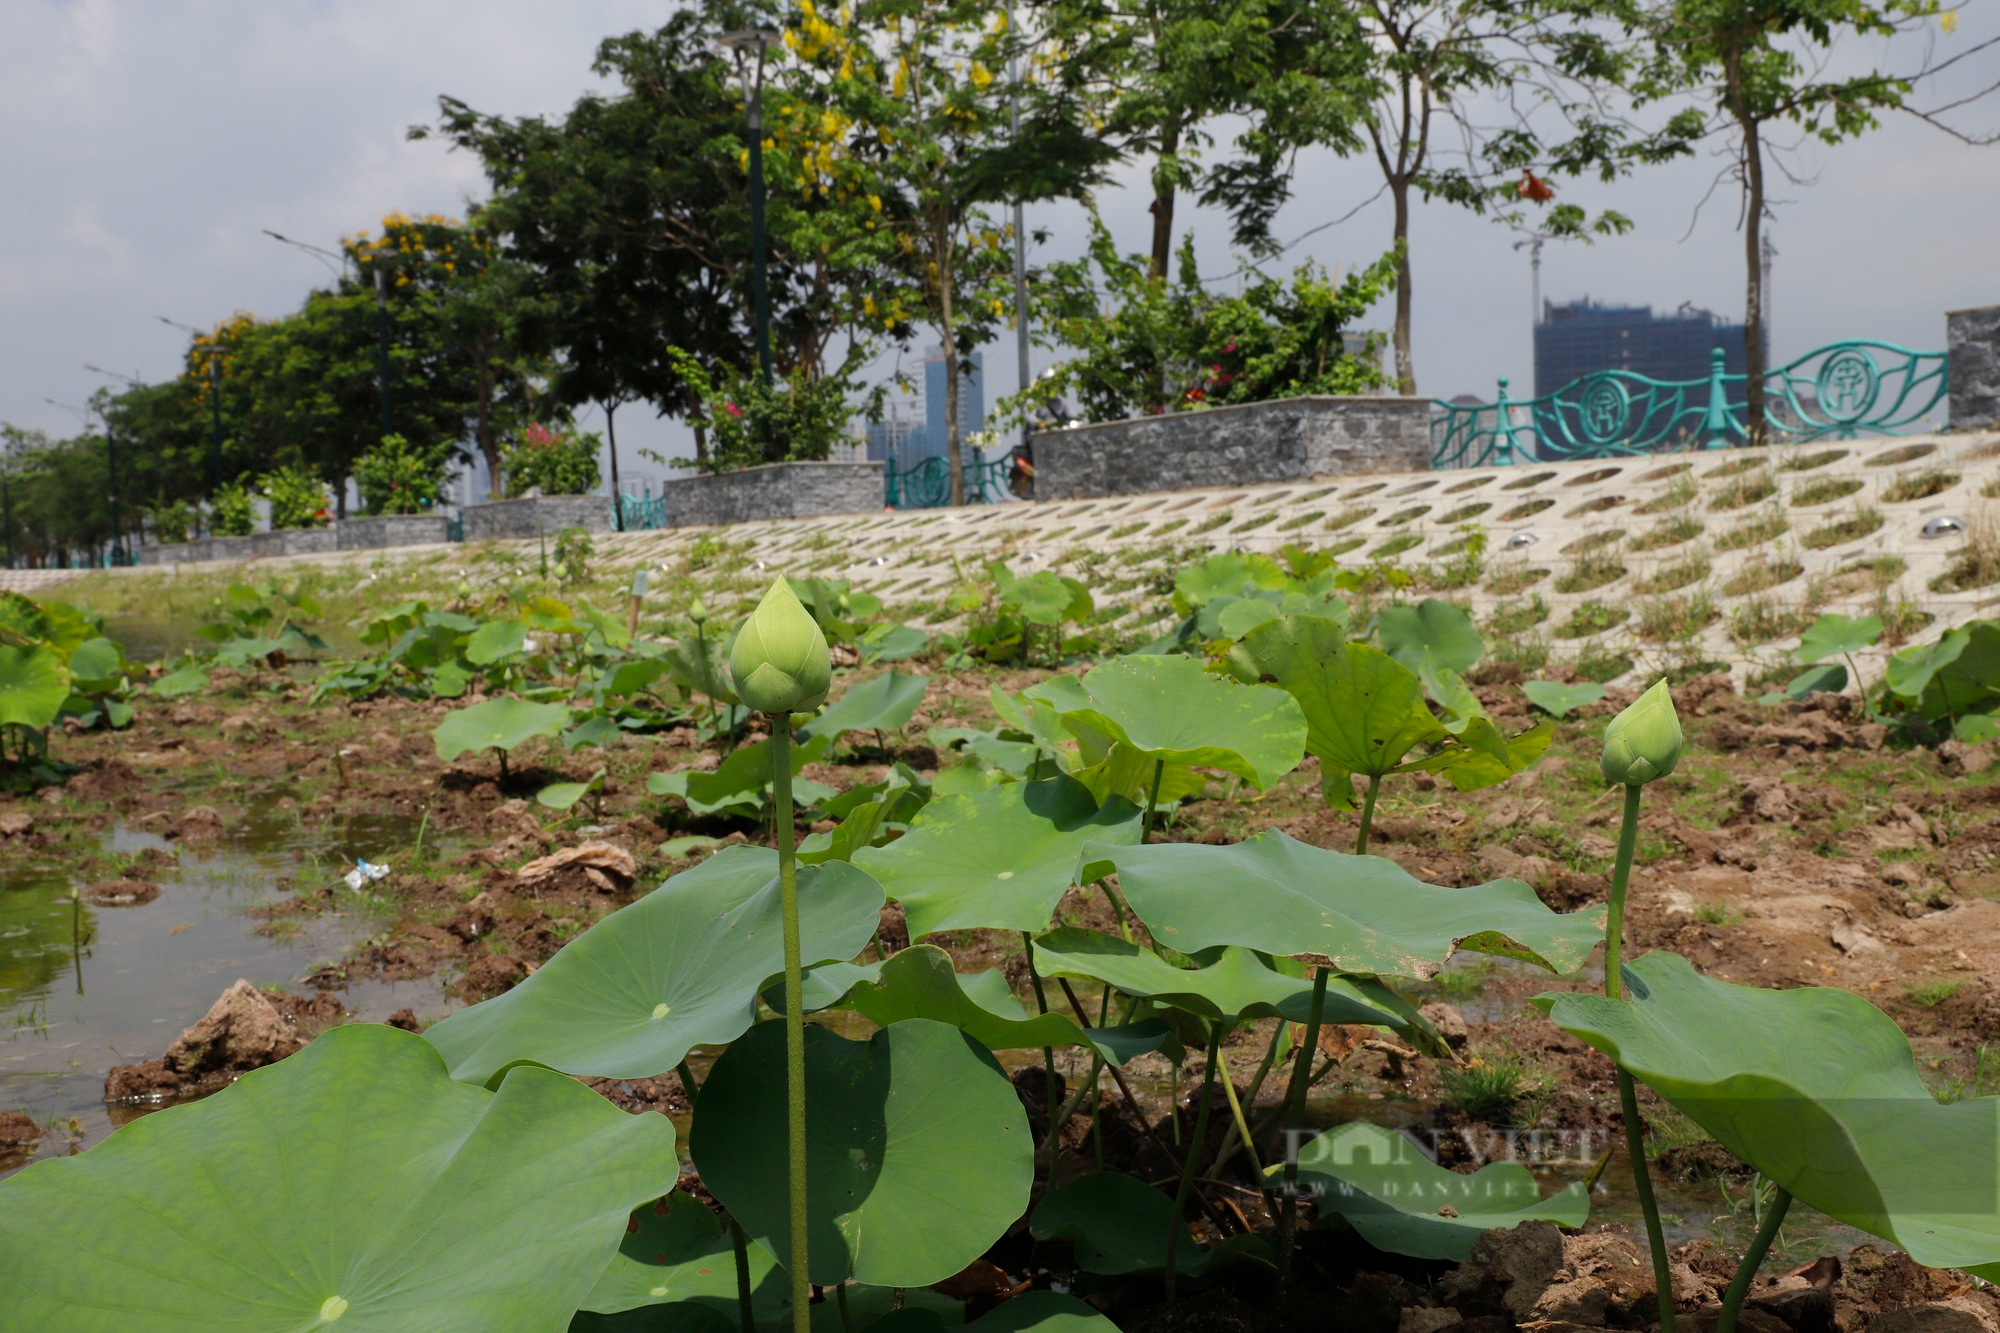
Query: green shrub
172,522
397,477
298,498
574,552
554,462
795,420
230,514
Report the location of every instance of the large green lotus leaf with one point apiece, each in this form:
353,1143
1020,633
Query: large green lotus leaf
677,969
770,1300
1560,700
1430,634
1030,1312
1837,636
184,680
1119,1224
1364,710
1359,913
922,983
1403,1202
1817,1089
882,704
919,1154
1000,858
494,640
702,665
1483,756
23,620
741,781
1172,709
353,1185
497,724
95,665
1126,774
1237,985
33,684
675,1251
1226,575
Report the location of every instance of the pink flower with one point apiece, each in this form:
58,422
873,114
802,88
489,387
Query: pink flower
732,409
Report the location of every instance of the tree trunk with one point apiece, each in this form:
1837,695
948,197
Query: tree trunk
482,430
1755,430
1406,369
945,277
701,447
1162,207
611,436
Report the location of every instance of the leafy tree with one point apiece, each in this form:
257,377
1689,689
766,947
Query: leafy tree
1414,84
1757,68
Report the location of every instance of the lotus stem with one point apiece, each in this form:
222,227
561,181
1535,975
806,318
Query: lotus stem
1152,800
1295,1105
795,1017
1753,1259
1048,1053
1174,1223
1628,1092
840,1299
688,1084
1242,1127
1230,1141
746,1314
1367,814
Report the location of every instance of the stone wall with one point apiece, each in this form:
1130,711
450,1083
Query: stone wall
291,541
380,530
506,520
1972,350
776,490
1287,439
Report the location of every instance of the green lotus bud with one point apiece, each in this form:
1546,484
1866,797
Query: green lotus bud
465,590
698,613
779,662
1643,742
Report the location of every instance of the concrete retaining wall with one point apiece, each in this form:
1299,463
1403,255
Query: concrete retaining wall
506,520
380,530
1286,439
291,541
1972,349
776,490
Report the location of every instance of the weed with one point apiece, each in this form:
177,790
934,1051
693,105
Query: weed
1681,527
1464,514
1252,523
1931,994
1807,462
1297,521
1528,651
1349,517
1977,563
1497,1088
1602,666
1744,492
1526,509
1209,524
1717,914
1129,530
1676,619
1596,541
1462,980
1591,618
1513,579
1402,516
1919,485
1982,1081
1760,574
1346,544
1861,523
1870,575
1590,571
1678,495
1674,577
1396,545
1171,525
1825,490
1754,533
1760,620
1901,620
1518,617
1529,482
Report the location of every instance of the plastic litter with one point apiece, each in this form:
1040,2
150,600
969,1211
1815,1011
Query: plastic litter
364,873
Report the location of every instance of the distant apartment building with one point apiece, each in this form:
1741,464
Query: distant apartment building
910,432
1577,339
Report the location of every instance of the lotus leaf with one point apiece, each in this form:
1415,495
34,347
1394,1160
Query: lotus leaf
1560,700
495,640
677,969
742,781
1119,1224
1170,709
919,1153
1817,1089
1236,986
1359,913
675,1251
353,1182
563,795
33,684
921,983
882,704
1000,858
497,724
185,680
1403,1202
1431,634
1837,636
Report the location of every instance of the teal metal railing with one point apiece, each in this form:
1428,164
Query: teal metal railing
927,485
639,512
1840,390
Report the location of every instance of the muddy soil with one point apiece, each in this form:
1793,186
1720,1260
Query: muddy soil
1795,845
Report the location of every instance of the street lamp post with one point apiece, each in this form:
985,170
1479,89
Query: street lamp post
110,464
377,261
741,46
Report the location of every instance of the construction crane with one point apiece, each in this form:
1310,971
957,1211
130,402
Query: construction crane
1533,245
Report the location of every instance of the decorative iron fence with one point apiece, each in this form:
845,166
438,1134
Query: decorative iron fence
636,513
1840,390
927,485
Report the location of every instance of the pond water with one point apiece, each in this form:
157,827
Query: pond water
83,988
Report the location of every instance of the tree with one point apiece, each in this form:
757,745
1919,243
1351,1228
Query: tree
1754,66
1467,101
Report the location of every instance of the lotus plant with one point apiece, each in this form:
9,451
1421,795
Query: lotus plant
1641,745
780,666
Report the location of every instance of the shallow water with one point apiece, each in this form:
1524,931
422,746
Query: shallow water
83,988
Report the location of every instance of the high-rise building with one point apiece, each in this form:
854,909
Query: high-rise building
971,397
1582,337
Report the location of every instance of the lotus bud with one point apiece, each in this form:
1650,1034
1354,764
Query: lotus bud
780,662
1643,742
465,590
698,613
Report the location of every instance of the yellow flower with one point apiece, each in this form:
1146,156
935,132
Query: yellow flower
981,76
875,203
1948,20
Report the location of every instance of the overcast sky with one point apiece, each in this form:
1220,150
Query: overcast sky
147,145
